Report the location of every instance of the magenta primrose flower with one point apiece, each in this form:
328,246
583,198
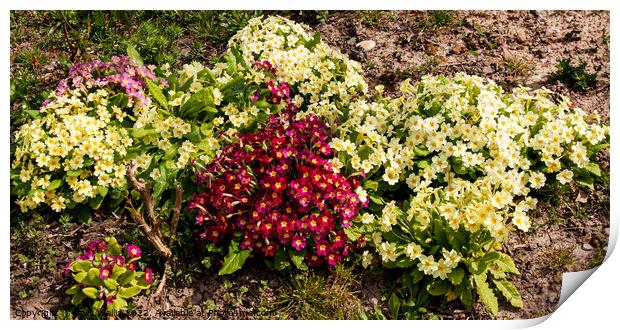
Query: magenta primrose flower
134,251
148,275
105,272
110,299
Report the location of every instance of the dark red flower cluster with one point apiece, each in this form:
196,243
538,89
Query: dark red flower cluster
278,91
276,187
265,65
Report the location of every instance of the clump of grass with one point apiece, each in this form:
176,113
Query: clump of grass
559,259
372,18
598,258
518,67
322,15
576,77
439,18
35,254
371,65
311,296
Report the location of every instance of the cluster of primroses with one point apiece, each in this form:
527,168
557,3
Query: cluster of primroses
468,156
77,147
449,165
325,80
69,153
107,274
119,71
276,187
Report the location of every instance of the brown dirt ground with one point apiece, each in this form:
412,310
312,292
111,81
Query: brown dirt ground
570,233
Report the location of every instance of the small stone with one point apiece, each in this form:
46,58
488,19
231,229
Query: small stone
587,247
521,35
582,197
366,45
459,47
487,70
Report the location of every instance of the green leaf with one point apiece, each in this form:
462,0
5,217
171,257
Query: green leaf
438,288
316,39
134,55
157,94
117,306
297,258
458,167
95,202
110,284
117,272
378,313
485,293
506,263
586,181
74,173
394,304
78,298
497,272
142,132
54,184
113,248
422,163
140,281
465,294
376,200
129,292
34,114
73,290
97,305
353,233
421,151
198,102
90,292
416,276
83,214
510,292
81,266
591,167
371,185
234,260
126,277
93,277
79,277
103,191
595,149
281,260
232,63
207,262
480,265
456,276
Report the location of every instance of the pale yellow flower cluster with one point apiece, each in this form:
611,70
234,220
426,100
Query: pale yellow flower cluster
78,134
326,80
469,152
83,138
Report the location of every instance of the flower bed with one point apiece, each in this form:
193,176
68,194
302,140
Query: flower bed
280,152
